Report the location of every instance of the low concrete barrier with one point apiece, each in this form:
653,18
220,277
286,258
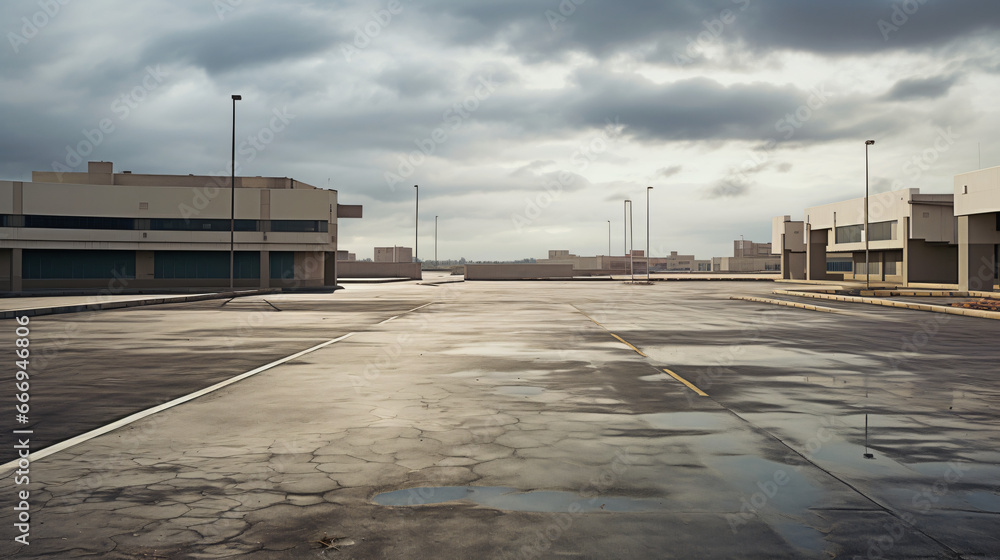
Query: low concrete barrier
517,271
362,269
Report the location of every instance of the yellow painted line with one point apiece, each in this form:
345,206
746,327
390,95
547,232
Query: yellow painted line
623,341
686,382
620,339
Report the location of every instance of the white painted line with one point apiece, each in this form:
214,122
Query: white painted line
41,454
389,319
419,308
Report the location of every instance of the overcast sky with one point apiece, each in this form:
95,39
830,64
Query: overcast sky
526,123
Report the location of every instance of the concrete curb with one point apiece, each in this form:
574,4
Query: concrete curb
796,305
107,305
898,304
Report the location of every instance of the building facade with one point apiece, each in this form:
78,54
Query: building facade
912,239
977,210
122,231
393,254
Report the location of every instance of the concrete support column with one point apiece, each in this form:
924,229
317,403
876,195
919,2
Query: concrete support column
816,242
976,253
145,265
786,261
265,269
905,233
16,284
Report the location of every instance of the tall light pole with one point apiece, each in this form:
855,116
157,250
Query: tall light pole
625,230
416,225
648,278
435,241
609,238
868,272
631,245
232,202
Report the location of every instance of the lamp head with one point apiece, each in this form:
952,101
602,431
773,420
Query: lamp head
869,142
237,98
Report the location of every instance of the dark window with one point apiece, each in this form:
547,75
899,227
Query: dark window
205,264
849,234
78,222
166,224
299,226
839,266
882,231
39,264
282,265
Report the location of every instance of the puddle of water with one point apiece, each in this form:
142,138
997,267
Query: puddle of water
688,420
520,390
512,499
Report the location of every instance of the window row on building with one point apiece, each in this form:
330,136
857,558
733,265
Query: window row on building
46,264
881,231
161,224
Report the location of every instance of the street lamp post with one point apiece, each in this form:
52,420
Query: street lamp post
435,241
416,225
631,245
648,278
232,202
609,238
868,272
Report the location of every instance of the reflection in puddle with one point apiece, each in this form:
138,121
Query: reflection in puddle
512,499
687,420
520,390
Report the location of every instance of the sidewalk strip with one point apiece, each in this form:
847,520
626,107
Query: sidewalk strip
41,454
686,382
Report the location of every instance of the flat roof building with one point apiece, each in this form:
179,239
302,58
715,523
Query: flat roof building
126,231
912,239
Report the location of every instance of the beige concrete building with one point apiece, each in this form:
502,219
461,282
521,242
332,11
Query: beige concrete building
123,231
616,265
393,254
977,208
748,257
912,239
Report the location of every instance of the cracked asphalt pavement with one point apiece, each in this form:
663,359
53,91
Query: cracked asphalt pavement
506,420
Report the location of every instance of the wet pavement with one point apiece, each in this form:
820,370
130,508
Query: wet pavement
506,420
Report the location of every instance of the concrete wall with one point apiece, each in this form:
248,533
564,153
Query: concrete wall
978,237
977,192
750,264
931,263
361,269
517,271
393,255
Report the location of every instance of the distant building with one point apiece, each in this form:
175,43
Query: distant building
344,256
748,257
609,265
393,254
125,231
